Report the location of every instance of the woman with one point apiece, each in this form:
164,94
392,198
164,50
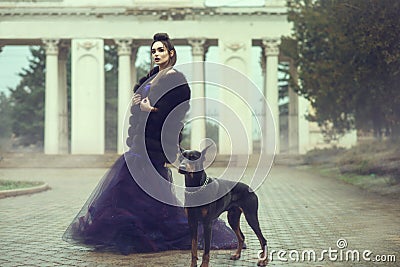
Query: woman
120,214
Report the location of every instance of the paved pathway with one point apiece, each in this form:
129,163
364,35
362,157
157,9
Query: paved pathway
299,211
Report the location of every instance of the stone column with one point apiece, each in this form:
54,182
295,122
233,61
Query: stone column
134,78
63,99
271,52
87,96
51,121
124,90
235,116
293,123
197,113
298,125
303,125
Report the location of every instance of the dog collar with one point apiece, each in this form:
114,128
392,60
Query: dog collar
201,188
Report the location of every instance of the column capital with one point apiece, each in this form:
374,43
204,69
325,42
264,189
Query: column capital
51,46
198,48
271,46
124,46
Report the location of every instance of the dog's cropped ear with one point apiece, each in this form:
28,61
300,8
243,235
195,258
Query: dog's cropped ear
204,151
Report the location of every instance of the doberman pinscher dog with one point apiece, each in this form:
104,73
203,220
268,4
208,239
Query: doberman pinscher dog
239,199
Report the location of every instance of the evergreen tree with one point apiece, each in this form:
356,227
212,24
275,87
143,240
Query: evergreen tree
348,54
27,100
5,116
111,96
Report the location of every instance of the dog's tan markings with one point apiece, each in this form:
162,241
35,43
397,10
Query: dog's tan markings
189,167
238,252
204,212
205,260
194,253
234,221
265,261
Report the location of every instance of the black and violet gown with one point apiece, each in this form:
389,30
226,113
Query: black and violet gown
119,214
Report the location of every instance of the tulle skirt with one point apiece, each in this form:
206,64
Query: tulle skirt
120,216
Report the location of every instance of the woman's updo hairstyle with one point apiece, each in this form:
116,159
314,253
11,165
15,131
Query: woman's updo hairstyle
164,38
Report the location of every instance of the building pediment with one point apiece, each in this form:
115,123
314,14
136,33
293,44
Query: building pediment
172,9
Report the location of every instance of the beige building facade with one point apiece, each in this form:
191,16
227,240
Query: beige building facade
84,27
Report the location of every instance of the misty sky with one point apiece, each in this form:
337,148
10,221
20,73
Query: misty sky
12,60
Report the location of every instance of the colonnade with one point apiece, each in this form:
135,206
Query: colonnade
88,91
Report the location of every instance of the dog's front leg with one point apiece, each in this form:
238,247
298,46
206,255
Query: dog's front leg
193,224
207,243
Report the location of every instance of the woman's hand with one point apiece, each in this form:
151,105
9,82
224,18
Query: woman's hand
136,99
145,105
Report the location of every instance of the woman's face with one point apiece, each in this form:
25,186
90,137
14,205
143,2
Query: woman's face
160,54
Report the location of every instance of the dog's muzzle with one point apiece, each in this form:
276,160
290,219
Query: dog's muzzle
182,168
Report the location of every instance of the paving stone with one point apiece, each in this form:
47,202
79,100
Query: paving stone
298,210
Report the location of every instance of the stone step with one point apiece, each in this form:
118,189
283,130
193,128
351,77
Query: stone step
40,160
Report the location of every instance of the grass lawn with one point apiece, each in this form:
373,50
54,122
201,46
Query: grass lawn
9,185
380,184
370,165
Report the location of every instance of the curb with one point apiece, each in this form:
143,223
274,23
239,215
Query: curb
24,191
